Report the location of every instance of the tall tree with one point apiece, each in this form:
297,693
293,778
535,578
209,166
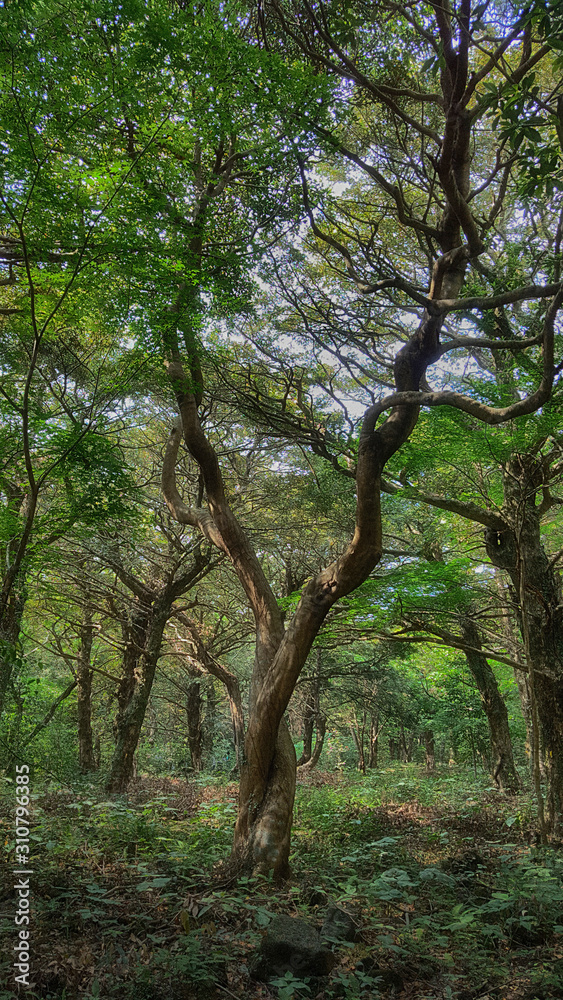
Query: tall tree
420,154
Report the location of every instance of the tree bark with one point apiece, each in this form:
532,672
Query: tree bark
358,733
313,716
21,504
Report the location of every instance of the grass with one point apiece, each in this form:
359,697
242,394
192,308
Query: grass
131,900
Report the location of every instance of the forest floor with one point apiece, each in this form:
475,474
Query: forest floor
131,899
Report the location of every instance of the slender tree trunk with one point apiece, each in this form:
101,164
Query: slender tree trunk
10,634
504,769
313,715
403,744
430,751
510,601
195,735
308,726
358,733
203,661
210,721
13,592
373,741
319,743
87,760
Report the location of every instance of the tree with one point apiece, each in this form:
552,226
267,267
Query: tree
416,148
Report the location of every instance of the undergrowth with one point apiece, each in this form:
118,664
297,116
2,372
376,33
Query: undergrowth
132,900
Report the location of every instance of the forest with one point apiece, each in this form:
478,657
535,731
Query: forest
281,491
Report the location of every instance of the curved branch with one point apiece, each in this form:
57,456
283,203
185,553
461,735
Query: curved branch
487,414
503,299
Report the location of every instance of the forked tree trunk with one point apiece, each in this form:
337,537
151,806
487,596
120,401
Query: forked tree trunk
143,630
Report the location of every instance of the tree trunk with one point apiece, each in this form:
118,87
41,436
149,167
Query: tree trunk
262,833
373,741
504,769
140,659
313,716
210,721
86,756
319,743
404,753
308,726
509,601
195,734
13,593
430,752
143,630
517,549
203,661
10,634
358,733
